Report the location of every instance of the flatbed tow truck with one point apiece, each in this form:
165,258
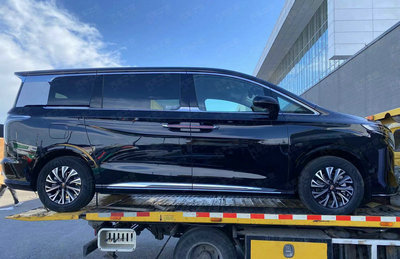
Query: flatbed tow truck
227,226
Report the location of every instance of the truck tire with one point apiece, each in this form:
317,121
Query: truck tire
331,185
65,184
204,242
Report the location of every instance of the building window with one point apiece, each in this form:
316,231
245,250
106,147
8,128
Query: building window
306,63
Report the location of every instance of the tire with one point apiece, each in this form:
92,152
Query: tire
75,172
204,241
310,186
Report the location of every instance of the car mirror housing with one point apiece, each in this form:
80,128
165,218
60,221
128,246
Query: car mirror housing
266,104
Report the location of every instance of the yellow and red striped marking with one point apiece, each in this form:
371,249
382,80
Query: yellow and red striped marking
248,218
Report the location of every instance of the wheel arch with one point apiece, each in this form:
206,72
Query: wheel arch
59,151
329,151
338,152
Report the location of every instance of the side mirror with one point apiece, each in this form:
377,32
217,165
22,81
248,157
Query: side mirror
266,104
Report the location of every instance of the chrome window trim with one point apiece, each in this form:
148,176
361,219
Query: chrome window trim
315,112
68,75
181,109
49,77
143,72
66,107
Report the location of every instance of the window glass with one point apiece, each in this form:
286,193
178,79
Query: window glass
226,94
224,106
142,91
71,90
288,106
33,92
396,136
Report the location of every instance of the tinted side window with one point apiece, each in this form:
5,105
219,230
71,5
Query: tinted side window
71,90
34,91
288,106
142,91
226,94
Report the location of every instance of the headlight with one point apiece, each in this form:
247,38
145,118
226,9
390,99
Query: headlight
377,128
380,129
391,137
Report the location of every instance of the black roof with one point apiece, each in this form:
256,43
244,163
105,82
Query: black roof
125,69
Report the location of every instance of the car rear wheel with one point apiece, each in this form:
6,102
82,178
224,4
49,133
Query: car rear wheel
65,184
331,185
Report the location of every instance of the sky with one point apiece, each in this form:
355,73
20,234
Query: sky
46,34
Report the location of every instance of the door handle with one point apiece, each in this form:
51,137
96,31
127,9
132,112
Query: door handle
176,126
204,127
189,127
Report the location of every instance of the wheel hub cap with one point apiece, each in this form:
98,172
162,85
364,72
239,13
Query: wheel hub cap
204,251
332,187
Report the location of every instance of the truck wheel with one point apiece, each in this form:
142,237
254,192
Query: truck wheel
65,184
203,242
331,185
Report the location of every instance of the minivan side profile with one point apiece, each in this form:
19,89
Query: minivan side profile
111,130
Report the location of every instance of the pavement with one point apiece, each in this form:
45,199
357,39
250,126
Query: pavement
61,239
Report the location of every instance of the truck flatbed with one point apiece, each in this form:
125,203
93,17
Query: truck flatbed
252,225
221,209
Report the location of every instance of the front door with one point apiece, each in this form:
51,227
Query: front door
139,133
234,147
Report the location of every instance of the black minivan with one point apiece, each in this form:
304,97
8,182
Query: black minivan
75,132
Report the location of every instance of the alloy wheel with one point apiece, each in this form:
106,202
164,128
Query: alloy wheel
63,185
332,187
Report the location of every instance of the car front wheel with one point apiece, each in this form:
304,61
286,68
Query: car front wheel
65,184
331,185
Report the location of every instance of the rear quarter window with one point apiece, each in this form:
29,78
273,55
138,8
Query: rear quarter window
33,92
58,91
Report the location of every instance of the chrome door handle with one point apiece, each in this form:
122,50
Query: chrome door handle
204,127
176,126
189,127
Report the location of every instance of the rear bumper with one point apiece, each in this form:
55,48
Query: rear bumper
16,172
20,185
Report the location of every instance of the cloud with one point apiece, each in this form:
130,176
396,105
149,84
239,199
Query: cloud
40,35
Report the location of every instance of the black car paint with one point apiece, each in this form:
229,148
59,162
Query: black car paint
231,152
